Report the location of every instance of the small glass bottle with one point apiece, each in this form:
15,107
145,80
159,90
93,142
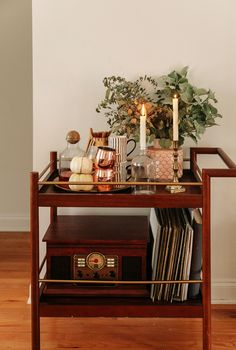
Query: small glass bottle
72,150
143,169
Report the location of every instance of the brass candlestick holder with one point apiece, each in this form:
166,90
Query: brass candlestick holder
175,188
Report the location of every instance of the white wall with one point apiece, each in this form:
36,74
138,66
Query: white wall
76,43
15,113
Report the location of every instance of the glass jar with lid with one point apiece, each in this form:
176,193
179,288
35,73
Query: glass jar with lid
72,150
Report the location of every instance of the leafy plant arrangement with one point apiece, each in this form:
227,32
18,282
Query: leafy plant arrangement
123,101
196,109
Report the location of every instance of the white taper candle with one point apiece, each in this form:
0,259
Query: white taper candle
143,128
175,119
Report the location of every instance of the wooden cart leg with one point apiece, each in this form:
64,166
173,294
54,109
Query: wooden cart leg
34,232
206,265
35,326
53,167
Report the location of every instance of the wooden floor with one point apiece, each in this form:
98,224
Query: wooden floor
93,333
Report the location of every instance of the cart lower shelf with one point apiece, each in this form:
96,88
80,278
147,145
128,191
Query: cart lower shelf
57,306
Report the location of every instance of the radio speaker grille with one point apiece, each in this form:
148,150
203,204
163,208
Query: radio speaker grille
131,268
61,267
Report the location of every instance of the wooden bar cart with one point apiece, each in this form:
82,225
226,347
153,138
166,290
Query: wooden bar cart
197,195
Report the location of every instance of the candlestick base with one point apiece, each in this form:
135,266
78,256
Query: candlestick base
175,189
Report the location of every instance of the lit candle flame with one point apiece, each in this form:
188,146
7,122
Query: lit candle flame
143,110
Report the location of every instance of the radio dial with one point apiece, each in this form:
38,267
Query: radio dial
95,261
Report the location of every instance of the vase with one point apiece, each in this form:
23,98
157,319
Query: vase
165,158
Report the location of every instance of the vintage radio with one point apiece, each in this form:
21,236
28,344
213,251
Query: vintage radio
106,248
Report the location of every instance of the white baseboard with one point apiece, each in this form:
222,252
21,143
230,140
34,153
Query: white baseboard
224,291
14,223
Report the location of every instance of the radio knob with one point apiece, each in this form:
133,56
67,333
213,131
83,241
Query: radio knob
80,274
112,274
96,275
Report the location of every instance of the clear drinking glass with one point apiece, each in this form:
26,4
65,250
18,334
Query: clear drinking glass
143,169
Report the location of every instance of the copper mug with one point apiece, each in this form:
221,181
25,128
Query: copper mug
105,157
106,175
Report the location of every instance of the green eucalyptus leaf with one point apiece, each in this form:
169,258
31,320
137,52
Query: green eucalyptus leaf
183,85
184,71
200,92
173,75
207,109
213,109
211,95
183,80
181,140
193,137
167,100
187,94
197,99
199,128
211,122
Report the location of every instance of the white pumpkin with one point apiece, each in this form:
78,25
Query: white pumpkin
81,178
81,165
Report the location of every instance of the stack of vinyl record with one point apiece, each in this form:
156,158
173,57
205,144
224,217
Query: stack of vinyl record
176,253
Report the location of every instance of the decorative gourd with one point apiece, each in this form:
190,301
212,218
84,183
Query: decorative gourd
81,178
81,165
